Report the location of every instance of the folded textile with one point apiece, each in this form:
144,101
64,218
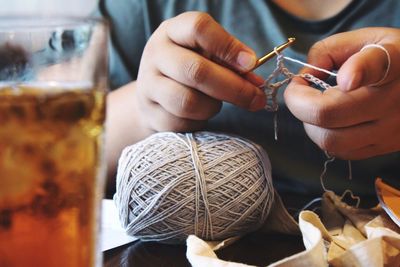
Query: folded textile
343,236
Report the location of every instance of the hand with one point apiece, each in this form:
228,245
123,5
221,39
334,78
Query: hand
353,120
189,66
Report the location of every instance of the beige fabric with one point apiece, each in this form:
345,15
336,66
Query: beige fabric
346,236
279,220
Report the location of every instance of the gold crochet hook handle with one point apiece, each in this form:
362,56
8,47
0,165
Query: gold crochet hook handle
271,54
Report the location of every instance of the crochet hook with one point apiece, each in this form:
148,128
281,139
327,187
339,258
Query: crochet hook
271,54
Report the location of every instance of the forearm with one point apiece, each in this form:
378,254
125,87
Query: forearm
123,126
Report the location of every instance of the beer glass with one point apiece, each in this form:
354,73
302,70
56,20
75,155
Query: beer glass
53,80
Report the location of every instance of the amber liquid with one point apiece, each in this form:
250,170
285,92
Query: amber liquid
50,175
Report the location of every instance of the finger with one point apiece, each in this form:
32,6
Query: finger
254,78
163,121
367,152
182,101
330,53
198,30
334,108
341,141
358,141
362,153
370,66
334,51
195,71
384,132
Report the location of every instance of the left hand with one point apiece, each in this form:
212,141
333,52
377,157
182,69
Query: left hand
352,120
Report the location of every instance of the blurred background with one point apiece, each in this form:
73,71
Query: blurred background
47,7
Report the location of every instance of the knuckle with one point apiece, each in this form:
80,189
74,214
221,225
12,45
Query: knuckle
149,51
164,24
318,47
243,96
197,107
196,70
226,51
229,50
164,122
152,46
326,139
201,22
328,142
162,28
323,115
188,103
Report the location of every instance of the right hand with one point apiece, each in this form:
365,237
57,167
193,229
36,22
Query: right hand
188,67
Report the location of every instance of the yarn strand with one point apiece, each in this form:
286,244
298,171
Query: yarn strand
271,88
322,176
310,66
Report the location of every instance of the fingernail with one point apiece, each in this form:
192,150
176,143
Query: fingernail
258,102
246,60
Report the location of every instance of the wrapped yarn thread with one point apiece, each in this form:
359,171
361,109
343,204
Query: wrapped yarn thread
212,185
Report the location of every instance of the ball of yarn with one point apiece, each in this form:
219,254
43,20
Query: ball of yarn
212,185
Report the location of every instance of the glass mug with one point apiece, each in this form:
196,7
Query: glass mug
53,80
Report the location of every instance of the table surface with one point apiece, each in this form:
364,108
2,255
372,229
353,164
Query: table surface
254,249
257,249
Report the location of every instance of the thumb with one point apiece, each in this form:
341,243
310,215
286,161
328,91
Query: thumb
199,31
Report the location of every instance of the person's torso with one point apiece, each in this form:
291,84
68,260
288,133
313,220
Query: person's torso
296,162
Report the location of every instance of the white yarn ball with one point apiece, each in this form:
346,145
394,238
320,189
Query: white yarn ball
211,185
